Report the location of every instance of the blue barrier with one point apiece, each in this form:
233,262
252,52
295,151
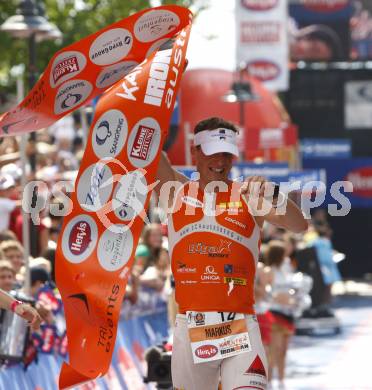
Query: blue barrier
127,368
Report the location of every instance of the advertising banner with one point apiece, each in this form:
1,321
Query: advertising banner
325,148
136,64
320,30
358,171
262,44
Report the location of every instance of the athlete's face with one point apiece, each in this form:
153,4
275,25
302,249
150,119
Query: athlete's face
215,167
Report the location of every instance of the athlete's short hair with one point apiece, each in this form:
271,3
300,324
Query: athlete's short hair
214,123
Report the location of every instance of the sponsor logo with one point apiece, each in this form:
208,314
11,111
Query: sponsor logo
114,73
236,281
157,78
206,351
111,46
236,222
184,269
232,269
192,201
199,319
106,333
256,368
260,32
218,331
94,187
325,5
155,24
71,94
66,65
259,5
361,179
263,70
144,141
79,238
109,134
230,207
188,282
221,250
210,274
114,249
130,196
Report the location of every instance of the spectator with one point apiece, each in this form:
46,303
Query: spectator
157,273
13,251
7,276
7,204
7,235
151,244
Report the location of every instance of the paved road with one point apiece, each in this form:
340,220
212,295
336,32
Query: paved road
342,362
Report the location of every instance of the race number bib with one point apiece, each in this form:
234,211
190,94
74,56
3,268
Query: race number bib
217,335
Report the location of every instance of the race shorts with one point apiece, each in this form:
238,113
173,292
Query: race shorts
244,371
265,320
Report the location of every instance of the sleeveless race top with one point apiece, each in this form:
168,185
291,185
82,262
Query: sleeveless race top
213,257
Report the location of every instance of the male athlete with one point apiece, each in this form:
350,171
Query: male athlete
214,242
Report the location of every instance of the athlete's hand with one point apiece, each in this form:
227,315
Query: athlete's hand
256,186
30,314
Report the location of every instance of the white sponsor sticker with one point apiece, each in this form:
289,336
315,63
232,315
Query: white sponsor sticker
109,134
65,66
155,24
95,187
130,196
114,73
111,46
71,94
192,201
115,247
79,238
155,46
143,142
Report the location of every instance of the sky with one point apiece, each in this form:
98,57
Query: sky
212,40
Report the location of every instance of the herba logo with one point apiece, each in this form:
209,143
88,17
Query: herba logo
263,70
325,6
259,5
66,66
193,202
80,237
206,351
142,143
361,179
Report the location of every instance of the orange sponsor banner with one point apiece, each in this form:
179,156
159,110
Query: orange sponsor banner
137,65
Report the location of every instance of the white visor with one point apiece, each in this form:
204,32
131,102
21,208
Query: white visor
217,141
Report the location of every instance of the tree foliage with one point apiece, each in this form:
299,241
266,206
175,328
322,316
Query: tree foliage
75,18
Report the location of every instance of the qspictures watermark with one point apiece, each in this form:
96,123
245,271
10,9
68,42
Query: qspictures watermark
101,192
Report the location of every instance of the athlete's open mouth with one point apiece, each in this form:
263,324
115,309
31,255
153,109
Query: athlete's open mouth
217,170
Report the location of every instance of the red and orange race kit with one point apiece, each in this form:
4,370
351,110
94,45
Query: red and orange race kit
214,243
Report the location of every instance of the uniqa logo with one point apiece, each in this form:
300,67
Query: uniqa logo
325,6
263,70
361,179
80,237
259,5
206,351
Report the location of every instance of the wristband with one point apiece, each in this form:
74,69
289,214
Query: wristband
14,304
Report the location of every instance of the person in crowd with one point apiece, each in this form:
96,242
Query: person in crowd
7,235
23,310
156,274
281,307
13,251
150,245
7,276
205,287
7,203
39,277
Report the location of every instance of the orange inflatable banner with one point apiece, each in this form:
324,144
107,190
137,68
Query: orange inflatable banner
137,65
